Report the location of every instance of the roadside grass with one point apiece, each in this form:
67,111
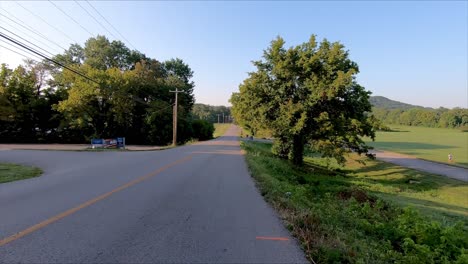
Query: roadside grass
262,133
13,172
378,213
220,129
427,143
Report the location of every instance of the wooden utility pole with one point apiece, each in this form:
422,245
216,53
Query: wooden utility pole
174,118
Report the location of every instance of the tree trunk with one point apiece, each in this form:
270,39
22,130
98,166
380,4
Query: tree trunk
296,155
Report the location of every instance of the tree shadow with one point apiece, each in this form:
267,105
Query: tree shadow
444,208
400,178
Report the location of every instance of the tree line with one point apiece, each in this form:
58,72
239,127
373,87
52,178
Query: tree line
441,117
125,93
212,113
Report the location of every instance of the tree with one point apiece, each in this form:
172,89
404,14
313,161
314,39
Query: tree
307,94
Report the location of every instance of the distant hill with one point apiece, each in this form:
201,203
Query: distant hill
384,102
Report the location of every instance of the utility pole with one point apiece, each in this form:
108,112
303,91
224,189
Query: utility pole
174,118
224,120
218,118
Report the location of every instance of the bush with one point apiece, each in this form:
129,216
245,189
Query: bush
202,129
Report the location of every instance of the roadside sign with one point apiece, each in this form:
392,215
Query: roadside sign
108,143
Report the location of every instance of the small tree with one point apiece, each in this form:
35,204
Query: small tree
306,94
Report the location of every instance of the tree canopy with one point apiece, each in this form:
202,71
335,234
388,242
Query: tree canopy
306,94
128,95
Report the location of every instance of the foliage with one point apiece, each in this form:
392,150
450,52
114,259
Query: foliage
211,113
129,96
202,129
13,172
345,217
306,94
427,117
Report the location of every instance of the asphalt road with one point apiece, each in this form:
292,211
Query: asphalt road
192,204
407,161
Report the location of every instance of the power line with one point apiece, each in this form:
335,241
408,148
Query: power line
76,22
27,34
110,24
24,46
17,52
43,20
27,41
27,27
97,21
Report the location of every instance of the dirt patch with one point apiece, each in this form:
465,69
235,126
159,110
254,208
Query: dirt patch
359,195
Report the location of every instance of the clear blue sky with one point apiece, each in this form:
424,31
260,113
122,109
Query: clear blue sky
415,52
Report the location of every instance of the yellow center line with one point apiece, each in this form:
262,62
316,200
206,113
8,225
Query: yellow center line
88,203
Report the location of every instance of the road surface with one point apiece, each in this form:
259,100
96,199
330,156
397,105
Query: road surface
189,204
423,165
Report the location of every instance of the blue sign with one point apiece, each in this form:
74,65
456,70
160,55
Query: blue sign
121,142
108,143
97,141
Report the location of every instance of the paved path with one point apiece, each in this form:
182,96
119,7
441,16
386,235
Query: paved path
423,165
413,163
189,204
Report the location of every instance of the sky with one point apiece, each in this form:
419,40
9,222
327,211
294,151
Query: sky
409,51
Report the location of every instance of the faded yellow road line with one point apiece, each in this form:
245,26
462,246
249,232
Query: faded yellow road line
88,203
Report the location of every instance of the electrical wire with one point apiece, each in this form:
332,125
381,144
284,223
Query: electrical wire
27,27
43,20
17,52
97,21
24,46
27,34
27,41
110,24
76,22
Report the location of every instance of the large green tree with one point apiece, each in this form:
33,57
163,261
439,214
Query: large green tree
306,94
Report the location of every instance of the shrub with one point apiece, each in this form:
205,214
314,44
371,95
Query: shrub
202,129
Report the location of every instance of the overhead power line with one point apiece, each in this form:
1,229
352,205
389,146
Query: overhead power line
27,34
43,20
22,24
71,18
17,52
110,24
27,41
24,46
94,18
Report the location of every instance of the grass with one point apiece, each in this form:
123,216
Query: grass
356,214
13,172
220,129
262,133
427,143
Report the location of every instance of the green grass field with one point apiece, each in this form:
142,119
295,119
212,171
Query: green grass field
13,172
357,213
426,143
220,129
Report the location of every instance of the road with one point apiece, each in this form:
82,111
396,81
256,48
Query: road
423,165
191,204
